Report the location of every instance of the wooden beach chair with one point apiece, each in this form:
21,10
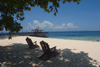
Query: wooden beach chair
47,51
31,44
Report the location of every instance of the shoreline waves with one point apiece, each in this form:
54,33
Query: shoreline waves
76,39
76,35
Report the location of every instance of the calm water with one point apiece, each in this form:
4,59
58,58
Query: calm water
76,35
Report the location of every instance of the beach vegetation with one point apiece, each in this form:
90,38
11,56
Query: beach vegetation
13,10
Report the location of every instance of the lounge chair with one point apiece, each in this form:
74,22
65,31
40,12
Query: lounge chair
31,44
47,51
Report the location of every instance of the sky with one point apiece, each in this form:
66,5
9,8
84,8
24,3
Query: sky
70,17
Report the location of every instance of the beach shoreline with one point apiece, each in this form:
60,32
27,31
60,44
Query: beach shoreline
75,39
72,52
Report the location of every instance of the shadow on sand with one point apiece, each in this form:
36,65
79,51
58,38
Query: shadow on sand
3,37
19,55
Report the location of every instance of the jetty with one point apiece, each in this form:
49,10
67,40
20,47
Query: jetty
35,32
38,32
18,34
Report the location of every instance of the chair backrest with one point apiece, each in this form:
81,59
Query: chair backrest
29,41
45,47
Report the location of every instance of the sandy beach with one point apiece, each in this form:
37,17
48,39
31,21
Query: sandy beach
73,53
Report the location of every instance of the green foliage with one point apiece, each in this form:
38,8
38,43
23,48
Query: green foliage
11,8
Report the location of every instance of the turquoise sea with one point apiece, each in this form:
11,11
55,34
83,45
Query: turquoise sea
76,35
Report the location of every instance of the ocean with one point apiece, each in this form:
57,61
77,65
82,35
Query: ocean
76,35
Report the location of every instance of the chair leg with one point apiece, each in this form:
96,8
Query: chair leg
41,56
50,56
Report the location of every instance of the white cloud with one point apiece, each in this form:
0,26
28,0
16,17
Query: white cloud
71,25
63,24
32,27
60,27
43,25
36,23
48,25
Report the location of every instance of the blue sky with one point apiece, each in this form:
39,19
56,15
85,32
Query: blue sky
70,17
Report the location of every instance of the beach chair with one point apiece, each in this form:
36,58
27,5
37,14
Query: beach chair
31,44
48,53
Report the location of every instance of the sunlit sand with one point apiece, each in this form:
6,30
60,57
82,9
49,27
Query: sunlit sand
73,53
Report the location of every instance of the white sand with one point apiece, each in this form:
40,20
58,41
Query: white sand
73,53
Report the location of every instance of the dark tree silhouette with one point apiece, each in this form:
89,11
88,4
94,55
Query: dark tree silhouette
11,8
